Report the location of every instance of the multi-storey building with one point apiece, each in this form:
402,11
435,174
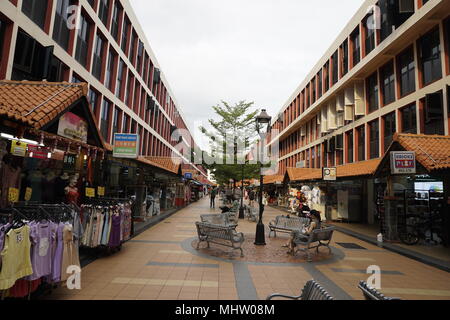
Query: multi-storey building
108,50
375,80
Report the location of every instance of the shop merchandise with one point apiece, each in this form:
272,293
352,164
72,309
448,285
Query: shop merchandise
106,225
39,242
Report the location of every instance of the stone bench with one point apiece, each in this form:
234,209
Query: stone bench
221,235
311,291
318,238
287,224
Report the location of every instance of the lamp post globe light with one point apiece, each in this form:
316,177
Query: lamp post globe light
262,127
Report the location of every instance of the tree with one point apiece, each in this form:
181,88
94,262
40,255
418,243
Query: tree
230,141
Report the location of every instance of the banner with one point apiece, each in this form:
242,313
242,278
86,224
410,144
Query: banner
73,127
38,152
126,146
18,148
329,174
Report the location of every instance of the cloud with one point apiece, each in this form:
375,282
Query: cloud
254,50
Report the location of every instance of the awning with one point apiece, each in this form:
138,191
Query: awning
274,179
302,174
432,151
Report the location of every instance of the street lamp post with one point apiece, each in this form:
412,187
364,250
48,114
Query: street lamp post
262,127
241,209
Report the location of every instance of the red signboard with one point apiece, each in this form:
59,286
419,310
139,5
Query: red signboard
38,152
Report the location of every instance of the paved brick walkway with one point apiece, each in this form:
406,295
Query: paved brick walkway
162,264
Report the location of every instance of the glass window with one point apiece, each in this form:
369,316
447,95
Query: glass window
388,82
430,57
409,120
93,97
35,10
82,41
115,121
370,40
361,143
326,71
98,53
350,146
374,140
131,56
372,92
406,68
319,77
434,114
120,73
124,40
125,123
140,56
389,129
103,11
109,69
2,37
344,57
61,33
356,47
104,125
115,21
334,59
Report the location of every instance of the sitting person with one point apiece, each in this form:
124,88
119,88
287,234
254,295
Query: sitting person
302,210
315,223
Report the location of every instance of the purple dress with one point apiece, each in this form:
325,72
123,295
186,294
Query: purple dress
57,258
114,238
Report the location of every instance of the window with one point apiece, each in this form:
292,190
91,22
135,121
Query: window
120,73
350,147
447,40
124,40
388,83
93,98
374,140
57,70
128,96
92,3
356,47
407,76
319,76
109,69
313,87
387,14
2,35
370,39
434,114
326,71
389,129
140,56
115,21
82,41
409,120
115,126
98,54
372,92
103,11
61,33
430,57
361,143
35,10
104,120
344,57
125,123
131,56
334,60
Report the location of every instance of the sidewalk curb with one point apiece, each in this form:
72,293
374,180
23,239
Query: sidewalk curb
434,262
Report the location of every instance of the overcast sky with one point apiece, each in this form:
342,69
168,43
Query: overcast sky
232,50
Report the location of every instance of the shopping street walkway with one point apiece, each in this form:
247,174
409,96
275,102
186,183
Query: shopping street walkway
162,264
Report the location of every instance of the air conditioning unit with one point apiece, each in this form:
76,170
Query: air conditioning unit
156,76
406,6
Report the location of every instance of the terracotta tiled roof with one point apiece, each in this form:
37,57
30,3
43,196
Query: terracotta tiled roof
165,163
37,103
273,179
362,168
303,174
432,151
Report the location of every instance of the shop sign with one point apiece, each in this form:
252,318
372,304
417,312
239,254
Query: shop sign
38,152
90,192
188,176
329,174
13,195
18,148
73,127
58,155
101,191
126,146
403,162
28,193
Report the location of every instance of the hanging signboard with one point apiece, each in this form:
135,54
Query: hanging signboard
126,146
18,148
38,152
90,192
188,176
403,162
101,191
28,194
329,174
73,127
13,195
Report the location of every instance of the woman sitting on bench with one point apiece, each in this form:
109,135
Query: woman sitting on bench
314,215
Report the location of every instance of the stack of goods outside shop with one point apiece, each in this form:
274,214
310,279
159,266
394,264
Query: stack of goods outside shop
51,184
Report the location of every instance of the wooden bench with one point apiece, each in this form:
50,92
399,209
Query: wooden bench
372,293
318,238
221,235
311,291
287,224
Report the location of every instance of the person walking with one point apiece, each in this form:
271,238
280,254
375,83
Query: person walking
213,198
